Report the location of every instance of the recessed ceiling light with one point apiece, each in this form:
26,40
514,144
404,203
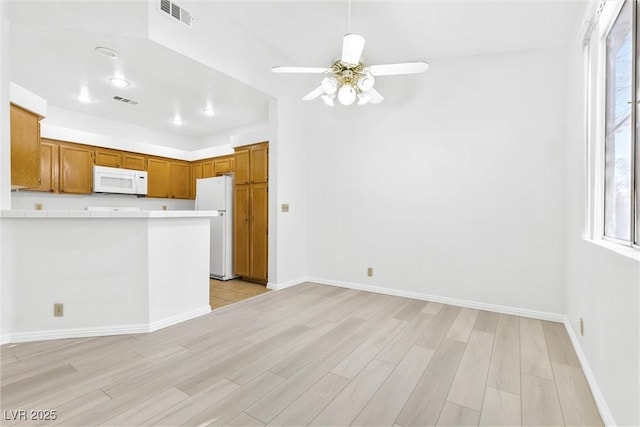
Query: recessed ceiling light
119,82
84,98
208,111
105,51
177,120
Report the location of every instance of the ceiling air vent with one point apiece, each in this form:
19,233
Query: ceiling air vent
125,100
173,10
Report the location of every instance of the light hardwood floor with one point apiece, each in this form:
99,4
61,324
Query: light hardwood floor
231,291
309,355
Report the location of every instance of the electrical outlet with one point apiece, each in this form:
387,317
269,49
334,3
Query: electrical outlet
164,207
581,327
370,272
38,206
285,207
58,310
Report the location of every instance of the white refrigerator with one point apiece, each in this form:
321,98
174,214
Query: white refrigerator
216,194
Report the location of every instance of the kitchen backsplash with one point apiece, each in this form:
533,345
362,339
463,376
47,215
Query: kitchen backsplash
26,200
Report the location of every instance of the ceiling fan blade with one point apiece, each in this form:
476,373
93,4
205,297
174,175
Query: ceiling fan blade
376,98
313,94
396,69
352,45
303,70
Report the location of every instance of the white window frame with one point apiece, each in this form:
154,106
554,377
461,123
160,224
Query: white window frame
595,111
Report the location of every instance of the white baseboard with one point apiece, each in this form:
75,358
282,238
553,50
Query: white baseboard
100,331
516,311
5,339
163,323
287,284
598,397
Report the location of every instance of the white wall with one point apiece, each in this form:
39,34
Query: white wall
26,200
6,296
178,275
59,261
73,126
602,286
113,275
454,190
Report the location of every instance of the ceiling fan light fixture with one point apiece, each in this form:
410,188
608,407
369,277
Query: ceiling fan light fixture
328,99
177,120
366,82
329,85
346,95
363,98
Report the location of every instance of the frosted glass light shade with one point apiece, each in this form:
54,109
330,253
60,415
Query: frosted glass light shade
363,98
328,99
365,83
329,85
346,95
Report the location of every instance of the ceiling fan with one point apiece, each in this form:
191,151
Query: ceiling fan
348,78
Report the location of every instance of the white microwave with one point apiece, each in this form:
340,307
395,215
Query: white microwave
120,181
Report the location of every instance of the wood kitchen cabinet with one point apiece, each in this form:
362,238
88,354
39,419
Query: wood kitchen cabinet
196,173
108,157
25,148
251,212
223,165
180,183
134,161
76,168
159,177
49,151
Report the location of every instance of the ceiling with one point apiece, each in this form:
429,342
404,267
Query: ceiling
244,39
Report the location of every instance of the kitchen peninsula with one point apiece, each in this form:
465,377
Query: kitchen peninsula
115,272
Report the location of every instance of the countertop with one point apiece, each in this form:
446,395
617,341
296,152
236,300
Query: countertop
105,214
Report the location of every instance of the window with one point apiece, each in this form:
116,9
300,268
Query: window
621,128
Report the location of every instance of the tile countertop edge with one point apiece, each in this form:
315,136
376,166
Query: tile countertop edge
105,214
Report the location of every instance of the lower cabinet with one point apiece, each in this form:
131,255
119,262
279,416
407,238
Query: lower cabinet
76,168
258,230
241,231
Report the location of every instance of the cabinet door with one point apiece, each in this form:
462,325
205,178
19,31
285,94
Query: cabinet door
25,148
159,177
196,173
180,184
106,157
48,166
134,161
259,225
222,166
208,169
259,164
241,172
241,243
76,169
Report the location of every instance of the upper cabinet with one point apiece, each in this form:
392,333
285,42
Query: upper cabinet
159,177
107,157
241,172
259,170
25,148
209,168
76,168
134,161
180,183
48,166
